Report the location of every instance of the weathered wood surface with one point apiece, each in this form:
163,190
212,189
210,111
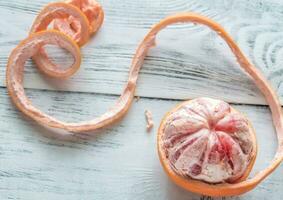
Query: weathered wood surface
121,162
189,61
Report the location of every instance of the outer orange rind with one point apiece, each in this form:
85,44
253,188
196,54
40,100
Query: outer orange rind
62,10
44,19
15,68
91,9
77,19
32,47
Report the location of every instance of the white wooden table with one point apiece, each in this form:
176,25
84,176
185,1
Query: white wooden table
121,162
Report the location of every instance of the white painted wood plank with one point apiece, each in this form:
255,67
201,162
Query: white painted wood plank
120,162
189,61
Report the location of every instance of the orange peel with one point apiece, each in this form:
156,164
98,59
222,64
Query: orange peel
91,9
61,10
14,81
45,17
15,68
32,47
77,19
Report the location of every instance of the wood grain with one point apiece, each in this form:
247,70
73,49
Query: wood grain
119,162
189,61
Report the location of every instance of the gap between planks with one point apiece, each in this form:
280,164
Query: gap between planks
136,97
